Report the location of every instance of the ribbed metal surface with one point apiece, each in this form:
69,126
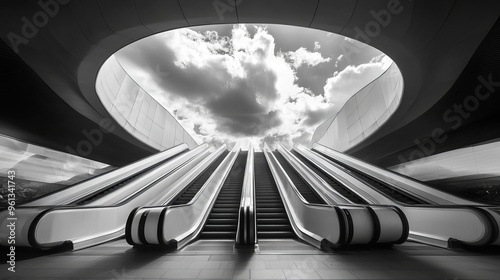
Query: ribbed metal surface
272,220
302,186
336,185
379,185
120,184
193,189
223,220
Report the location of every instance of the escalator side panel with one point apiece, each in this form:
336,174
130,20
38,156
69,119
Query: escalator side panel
307,192
336,185
186,196
379,185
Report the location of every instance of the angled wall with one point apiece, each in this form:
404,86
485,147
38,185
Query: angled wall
364,113
136,111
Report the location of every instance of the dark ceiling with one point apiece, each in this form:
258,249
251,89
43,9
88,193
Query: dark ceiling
34,113
459,130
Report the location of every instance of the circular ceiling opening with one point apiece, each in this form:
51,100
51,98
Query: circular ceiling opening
250,83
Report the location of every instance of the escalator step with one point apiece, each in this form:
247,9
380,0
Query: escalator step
272,220
223,219
270,227
213,221
229,228
263,210
275,234
218,235
223,215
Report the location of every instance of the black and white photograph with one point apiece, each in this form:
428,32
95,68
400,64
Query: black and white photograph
249,139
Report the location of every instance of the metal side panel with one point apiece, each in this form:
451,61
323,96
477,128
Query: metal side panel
440,226
179,224
45,228
322,188
149,178
246,232
311,223
95,184
340,225
402,183
355,185
330,170
194,169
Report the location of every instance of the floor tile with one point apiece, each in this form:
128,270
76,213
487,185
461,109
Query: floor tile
267,274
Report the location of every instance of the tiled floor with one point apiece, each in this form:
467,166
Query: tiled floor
275,260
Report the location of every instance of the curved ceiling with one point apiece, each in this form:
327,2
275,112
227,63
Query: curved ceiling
431,41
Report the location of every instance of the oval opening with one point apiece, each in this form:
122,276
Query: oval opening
258,84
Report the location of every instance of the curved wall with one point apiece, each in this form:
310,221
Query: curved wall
431,41
136,111
363,113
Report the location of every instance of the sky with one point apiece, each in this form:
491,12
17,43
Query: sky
254,84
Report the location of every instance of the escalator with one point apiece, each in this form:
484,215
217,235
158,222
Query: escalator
106,191
382,187
272,220
223,220
195,186
303,187
336,185
103,192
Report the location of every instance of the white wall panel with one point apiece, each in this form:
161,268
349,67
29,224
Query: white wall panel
363,113
478,161
133,108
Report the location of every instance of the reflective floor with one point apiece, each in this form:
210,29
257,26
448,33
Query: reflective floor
274,260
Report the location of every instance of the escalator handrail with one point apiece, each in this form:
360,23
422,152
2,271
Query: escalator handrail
402,183
491,226
36,214
318,161
329,195
102,181
202,202
212,157
201,155
185,181
246,232
355,182
143,182
337,227
301,231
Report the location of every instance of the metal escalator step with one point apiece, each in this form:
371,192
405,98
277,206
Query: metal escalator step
223,219
210,227
275,234
225,210
270,205
270,215
226,205
270,227
215,221
271,210
273,221
223,215
217,235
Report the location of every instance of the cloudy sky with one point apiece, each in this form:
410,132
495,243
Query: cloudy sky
251,83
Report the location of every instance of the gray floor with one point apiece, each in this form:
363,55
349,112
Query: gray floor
275,260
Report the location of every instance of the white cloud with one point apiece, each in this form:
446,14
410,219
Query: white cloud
339,59
344,84
302,56
317,46
224,89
